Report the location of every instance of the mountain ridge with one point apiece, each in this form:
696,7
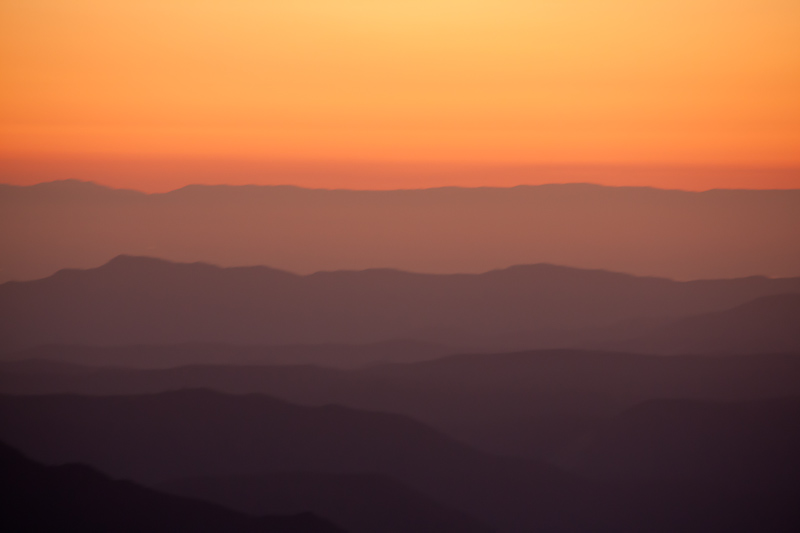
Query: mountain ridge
141,300
128,260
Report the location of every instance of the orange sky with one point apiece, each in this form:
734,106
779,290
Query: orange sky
95,88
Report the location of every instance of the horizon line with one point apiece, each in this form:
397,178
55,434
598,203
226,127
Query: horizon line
398,189
167,173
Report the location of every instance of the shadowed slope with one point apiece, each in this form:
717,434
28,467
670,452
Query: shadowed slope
745,446
78,498
770,324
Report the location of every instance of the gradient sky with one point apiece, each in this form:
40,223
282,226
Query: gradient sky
287,91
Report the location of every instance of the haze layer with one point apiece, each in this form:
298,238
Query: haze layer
675,234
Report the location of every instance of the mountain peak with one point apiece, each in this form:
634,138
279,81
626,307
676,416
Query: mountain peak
126,260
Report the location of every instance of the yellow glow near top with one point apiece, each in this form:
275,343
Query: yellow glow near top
575,81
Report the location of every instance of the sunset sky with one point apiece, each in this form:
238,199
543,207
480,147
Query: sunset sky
154,94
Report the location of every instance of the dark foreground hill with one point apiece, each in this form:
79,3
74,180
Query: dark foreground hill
195,433
361,503
50,499
201,434
739,445
135,300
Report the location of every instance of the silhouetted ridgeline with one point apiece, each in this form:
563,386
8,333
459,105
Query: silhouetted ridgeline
675,234
134,300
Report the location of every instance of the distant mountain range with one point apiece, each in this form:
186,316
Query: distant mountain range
644,231
138,300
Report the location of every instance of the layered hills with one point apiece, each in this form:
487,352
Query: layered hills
212,441
530,404
319,395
